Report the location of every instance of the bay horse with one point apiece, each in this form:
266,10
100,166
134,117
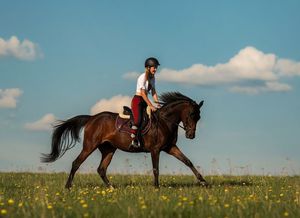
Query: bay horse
101,133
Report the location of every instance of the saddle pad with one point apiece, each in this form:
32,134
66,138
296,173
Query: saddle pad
124,125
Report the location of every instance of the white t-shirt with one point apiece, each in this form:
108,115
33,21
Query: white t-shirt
143,84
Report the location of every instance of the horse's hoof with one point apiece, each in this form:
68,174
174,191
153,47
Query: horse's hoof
110,187
156,187
67,186
204,184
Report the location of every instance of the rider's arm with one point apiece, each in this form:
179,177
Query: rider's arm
154,95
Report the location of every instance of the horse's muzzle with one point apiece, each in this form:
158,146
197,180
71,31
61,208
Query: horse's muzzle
190,134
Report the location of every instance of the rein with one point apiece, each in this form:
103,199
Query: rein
173,123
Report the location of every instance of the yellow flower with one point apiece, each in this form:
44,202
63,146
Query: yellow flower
184,198
20,204
226,190
163,197
281,195
81,201
11,201
57,194
84,205
226,205
49,207
286,213
3,211
144,206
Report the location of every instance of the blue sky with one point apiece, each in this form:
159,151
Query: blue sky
60,59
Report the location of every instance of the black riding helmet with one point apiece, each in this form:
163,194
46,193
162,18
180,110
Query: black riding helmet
151,62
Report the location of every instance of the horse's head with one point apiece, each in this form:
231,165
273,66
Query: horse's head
182,108
190,117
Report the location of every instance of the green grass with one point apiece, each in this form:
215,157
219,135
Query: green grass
44,195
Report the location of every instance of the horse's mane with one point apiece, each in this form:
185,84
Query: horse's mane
168,98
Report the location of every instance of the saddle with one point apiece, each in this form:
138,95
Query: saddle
124,121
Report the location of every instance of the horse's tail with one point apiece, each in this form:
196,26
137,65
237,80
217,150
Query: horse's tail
64,137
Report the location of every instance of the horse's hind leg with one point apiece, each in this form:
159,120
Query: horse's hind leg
107,152
85,152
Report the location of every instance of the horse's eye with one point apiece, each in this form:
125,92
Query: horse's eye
194,116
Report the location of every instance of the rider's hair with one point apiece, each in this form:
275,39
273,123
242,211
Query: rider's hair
147,73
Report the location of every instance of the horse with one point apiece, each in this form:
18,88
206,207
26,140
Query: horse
100,133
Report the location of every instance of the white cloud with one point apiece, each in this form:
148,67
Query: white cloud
248,65
131,75
267,87
287,67
278,87
8,97
25,50
114,104
43,124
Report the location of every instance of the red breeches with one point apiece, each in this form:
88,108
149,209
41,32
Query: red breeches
138,105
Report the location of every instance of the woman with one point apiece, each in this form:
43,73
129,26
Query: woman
145,84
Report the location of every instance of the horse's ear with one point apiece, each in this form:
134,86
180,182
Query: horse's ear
200,104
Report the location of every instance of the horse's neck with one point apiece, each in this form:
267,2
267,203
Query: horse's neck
172,113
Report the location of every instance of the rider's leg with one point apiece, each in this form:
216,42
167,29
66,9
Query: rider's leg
136,111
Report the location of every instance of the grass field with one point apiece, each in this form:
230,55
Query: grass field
44,195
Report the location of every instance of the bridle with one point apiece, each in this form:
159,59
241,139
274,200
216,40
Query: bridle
171,122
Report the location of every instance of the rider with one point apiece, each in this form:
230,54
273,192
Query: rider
145,84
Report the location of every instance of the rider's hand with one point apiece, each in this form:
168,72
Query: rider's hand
153,108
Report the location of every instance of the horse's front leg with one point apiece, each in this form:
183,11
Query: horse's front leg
176,152
155,164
